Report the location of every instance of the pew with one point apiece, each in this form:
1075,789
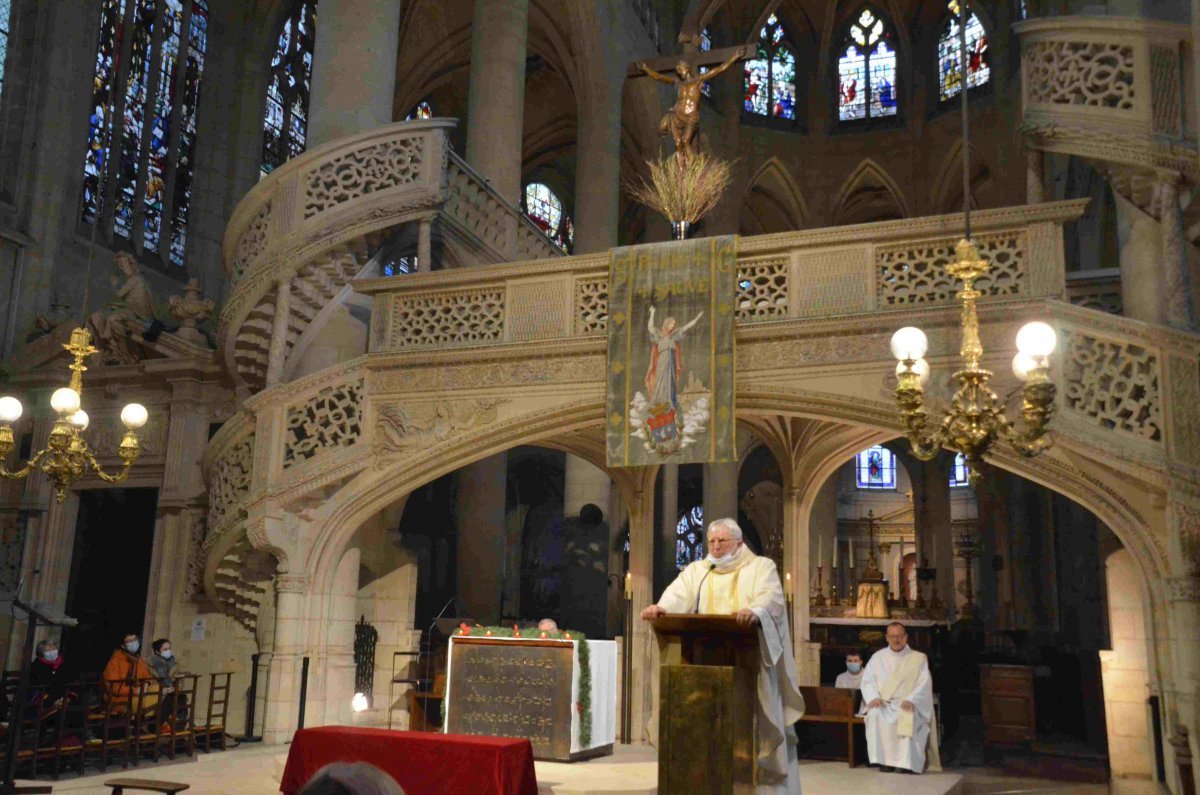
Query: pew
832,706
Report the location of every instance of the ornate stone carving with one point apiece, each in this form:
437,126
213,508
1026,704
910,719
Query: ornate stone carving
1114,384
1089,73
251,244
107,431
330,419
445,319
916,274
762,290
388,164
132,309
229,481
1167,116
192,525
400,428
190,309
591,306
1185,408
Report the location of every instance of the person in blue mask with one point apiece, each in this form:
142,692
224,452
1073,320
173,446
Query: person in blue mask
124,672
851,678
163,665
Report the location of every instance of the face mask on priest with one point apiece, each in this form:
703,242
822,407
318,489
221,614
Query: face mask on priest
722,547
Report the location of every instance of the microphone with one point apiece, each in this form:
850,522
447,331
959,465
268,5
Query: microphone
711,567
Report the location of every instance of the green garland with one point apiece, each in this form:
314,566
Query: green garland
585,663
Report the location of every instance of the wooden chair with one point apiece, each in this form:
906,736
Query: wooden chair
146,724
176,716
107,723
218,706
419,705
833,706
119,785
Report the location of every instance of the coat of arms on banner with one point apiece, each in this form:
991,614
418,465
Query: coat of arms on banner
671,353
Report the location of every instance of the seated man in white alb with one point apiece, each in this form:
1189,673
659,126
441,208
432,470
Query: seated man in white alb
851,678
732,580
898,700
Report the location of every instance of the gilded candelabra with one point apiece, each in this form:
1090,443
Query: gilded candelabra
976,418
967,550
67,456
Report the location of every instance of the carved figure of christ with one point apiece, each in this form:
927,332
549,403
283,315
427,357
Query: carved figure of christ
682,121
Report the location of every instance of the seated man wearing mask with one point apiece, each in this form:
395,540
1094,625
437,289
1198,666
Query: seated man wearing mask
851,678
123,674
732,580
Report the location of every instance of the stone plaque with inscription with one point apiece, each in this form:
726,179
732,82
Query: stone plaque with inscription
513,688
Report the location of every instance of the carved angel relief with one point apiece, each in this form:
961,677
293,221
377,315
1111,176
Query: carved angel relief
398,429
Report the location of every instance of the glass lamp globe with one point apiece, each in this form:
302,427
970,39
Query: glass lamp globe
920,366
134,416
10,410
65,401
909,343
1022,363
80,420
1036,339
359,702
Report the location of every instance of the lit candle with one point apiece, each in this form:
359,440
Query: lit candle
787,584
628,585
852,553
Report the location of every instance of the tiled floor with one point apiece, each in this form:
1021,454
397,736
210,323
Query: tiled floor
256,770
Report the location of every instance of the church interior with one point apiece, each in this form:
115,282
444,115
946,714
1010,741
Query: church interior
327,284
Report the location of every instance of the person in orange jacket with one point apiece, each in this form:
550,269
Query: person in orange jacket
123,672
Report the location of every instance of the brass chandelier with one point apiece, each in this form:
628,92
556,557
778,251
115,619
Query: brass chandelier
67,456
976,418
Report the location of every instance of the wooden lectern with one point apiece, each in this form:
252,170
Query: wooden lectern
707,704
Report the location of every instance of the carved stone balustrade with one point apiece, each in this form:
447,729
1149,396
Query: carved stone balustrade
309,227
1111,90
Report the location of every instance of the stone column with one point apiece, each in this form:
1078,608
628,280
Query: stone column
720,491
496,98
640,499
798,562
1142,283
424,245
668,519
277,350
1035,190
480,501
937,504
354,68
284,668
1180,312
584,484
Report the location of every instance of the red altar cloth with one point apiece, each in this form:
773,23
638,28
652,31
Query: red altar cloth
421,762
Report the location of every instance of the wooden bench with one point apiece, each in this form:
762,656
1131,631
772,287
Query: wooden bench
832,705
119,785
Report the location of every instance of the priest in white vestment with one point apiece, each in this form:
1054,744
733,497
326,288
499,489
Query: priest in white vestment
732,580
897,694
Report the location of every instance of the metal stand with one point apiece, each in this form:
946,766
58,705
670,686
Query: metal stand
252,703
627,668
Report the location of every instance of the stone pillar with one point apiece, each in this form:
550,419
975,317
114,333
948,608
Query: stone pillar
937,504
668,519
354,68
720,491
480,501
1035,189
1180,312
1142,283
798,562
584,484
277,350
496,98
424,245
639,497
284,668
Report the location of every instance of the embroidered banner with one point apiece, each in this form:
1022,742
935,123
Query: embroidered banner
670,352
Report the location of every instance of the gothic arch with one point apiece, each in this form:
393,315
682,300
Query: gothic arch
773,202
947,191
869,194
837,12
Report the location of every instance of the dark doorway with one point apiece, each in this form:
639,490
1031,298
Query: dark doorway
110,572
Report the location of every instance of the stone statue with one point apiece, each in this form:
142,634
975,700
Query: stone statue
134,305
190,309
682,121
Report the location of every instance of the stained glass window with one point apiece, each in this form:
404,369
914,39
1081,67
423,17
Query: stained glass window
689,537
137,174
867,69
960,474
705,46
400,266
5,15
875,468
423,110
770,87
1023,9
543,208
285,119
949,68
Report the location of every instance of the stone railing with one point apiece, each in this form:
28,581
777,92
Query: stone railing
311,226
870,268
228,467
1096,289
1109,89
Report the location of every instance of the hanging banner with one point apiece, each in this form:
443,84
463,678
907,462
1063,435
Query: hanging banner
670,352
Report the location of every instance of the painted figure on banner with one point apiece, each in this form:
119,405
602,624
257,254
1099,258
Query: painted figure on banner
665,424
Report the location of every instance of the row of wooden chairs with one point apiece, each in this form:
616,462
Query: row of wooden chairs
92,726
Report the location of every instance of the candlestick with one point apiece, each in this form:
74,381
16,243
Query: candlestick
820,600
787,585
628,585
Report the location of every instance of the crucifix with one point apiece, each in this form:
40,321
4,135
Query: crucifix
682,121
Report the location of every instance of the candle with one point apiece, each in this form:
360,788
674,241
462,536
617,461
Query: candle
787,584
628,585
834,564
852,553
819,540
